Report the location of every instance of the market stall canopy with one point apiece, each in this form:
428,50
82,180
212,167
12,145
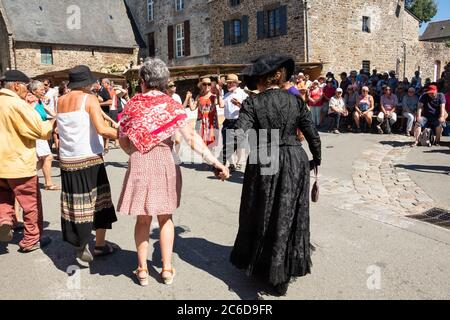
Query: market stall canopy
198,71
63,75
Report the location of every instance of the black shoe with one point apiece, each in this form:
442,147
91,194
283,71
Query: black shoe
45,241
232,168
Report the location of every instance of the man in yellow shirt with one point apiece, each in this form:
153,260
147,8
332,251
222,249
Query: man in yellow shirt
20,127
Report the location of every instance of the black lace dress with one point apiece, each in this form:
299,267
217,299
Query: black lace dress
273,242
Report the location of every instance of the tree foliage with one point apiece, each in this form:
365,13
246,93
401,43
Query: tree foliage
425,10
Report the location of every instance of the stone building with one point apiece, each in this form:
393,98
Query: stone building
41,36
177,31
342,34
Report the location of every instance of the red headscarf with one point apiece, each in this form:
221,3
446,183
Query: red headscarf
150,119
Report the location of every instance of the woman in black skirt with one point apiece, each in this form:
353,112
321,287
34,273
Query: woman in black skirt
273,242
86,202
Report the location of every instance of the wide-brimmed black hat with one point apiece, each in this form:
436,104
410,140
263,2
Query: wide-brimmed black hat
15,76
265,65
80,77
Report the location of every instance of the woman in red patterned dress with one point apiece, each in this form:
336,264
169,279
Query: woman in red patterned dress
152,185
207,125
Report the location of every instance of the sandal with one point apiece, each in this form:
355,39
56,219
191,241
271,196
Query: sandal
52,188
142,281
168,280
104,251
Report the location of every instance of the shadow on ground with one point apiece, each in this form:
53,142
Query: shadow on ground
397,144
425,168
212,258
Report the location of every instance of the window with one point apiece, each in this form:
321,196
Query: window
179,5
366,24
273,23
151,44
179,40
46,55
150,14
366,66
236,31
235,2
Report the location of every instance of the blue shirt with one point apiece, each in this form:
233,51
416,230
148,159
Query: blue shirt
40,109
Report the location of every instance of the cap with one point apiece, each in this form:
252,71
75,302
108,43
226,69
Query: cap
432,89
15,75
339,90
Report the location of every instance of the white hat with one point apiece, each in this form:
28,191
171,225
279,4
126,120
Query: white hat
339,90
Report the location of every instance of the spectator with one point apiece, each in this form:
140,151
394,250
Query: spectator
290,87
20,127
337,110
374,78
345,83
301,81
322,81
406,83
383,82
172,92
350,99
409,108
328,92
387,114
63,89
364,109
308,81
430,113
330,75
416,81
393,81
315,102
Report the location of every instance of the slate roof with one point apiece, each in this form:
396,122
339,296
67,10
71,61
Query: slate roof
437,30
104,23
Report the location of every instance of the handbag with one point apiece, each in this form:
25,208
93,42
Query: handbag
315,189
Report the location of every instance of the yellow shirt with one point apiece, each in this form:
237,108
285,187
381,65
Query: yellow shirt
20,127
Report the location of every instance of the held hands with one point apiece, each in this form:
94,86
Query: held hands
236,102
221,171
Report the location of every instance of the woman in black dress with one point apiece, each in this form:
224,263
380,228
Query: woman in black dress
273,242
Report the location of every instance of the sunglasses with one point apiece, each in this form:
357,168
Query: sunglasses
47,84
171,86
206,84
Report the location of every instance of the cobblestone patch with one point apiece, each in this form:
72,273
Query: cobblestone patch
379,187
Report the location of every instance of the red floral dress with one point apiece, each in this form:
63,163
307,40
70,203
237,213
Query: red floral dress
207,121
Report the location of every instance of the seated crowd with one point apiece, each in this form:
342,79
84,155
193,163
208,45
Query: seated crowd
360,99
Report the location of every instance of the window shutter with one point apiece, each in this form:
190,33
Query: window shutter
244,29
226,33
170,42
283,20
187,38
260,21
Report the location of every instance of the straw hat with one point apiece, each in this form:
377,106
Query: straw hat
204,81
233,78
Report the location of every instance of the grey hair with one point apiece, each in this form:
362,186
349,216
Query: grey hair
35,84
8,85
155,74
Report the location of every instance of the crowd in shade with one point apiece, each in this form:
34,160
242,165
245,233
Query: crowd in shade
77,122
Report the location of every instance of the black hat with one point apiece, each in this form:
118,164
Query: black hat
80,76
265,65
15,75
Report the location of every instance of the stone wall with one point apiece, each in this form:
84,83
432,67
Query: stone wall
336,35
292,44
196,11
28,57
4,46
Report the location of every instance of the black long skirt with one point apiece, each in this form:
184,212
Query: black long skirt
86,202
273,242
